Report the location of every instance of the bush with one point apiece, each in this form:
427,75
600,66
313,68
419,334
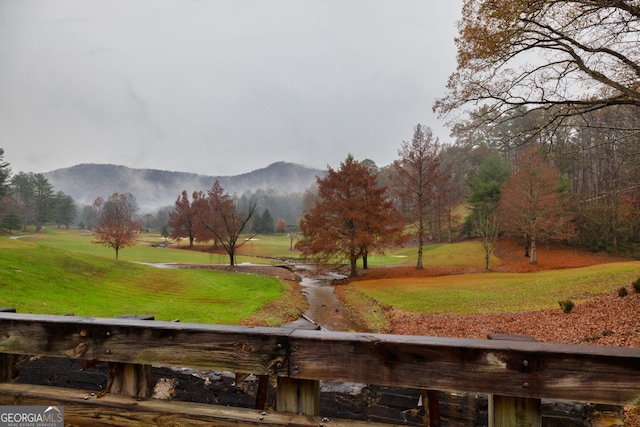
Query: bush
622,292
566,305
636,286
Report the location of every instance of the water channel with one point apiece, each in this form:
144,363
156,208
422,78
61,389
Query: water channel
325,310
324,307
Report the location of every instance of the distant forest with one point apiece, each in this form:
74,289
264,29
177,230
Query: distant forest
589,178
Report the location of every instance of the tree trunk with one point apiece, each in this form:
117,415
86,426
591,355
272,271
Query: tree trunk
365,255
533,259
354,267
232,258
117,253
419,264
449,224
526,246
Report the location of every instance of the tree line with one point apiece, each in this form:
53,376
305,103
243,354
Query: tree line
28,199
562,77
543,109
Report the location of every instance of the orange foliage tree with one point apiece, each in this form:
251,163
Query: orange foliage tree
116,227
531,202
350,218
182,219
281,226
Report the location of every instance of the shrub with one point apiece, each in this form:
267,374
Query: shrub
566,305
636,286
622,292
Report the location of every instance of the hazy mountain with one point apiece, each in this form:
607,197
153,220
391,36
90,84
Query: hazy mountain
157,188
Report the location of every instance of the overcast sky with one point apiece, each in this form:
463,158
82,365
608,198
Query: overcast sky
219,87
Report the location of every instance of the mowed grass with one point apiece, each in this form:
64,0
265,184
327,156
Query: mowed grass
143,251
468,254
41,279
62,271
273,246
499,292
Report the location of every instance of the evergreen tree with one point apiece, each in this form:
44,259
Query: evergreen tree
11,221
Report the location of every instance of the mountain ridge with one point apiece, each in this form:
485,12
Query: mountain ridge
155,188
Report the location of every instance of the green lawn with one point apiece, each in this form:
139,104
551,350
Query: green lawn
451,255
62,271
499,292
144,251
36,278
272,245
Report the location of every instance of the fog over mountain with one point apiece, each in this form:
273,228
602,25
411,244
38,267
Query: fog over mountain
154,188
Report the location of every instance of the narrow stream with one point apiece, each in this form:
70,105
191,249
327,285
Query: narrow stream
325,308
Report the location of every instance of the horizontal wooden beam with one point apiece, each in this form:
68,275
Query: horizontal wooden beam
237,349
509,368
81,408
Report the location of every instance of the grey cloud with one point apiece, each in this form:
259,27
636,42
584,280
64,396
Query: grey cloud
218,87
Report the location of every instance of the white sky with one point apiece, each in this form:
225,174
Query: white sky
219,87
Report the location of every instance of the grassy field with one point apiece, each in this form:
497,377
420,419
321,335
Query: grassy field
144,251
499,292
468,254
61,271
260,250
43,278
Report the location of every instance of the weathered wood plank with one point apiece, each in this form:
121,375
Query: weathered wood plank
130,379
509,368
6,366
431,403
237,349
298,396
82,409
509,411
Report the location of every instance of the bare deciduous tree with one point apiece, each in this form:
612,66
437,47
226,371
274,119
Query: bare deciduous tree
416,177
563,57
220,215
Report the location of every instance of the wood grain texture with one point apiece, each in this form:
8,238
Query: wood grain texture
506,368
508,411
199,346
81,409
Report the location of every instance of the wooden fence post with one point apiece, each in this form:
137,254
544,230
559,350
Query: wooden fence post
298,396
6,360
431,404
262,391
509,411
128,379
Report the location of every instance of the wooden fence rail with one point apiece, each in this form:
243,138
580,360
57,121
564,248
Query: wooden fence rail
300,358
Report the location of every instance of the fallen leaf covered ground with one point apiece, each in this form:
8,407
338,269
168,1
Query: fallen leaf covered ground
603,320
608,320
